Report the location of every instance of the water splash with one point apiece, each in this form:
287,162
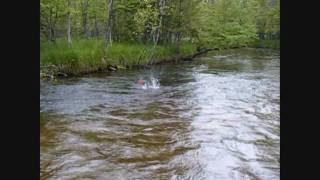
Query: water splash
151,83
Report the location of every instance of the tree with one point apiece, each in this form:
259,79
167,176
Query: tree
221,23
227,23
84,15
161,7
50,12
69,23
108,38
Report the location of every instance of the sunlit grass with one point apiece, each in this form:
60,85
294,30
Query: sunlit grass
89,55
272,44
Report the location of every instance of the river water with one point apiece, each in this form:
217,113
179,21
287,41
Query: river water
215,118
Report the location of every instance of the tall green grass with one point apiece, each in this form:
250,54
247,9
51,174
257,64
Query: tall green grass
271,44
133,54
81,56
125,54
89,55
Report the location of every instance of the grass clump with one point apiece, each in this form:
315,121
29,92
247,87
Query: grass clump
272,44
81,56
85,56
125,54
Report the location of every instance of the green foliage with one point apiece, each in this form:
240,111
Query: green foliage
146,17
136,24
88,55
227,24
82,56
219,23
127,54
266,16
271,44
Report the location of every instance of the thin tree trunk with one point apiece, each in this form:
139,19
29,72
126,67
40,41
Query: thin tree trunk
96,26
53,27
161,6
108,38
85,5
50,26
75,21
157,33
68,25
178,34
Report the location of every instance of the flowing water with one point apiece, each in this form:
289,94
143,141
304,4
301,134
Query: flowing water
214,118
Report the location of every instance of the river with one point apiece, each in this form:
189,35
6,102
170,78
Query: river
215,118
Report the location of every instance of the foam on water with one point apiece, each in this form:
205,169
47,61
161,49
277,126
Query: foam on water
151,83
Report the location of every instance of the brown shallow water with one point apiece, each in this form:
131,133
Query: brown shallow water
213,118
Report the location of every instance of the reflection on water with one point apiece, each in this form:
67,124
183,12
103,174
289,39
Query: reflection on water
214,118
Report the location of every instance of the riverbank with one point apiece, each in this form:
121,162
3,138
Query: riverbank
269,44
87,56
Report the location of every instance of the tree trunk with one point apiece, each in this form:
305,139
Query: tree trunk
50,26
75,21
161,6
108,38
96,26
84,12
68,25
178,34
53,27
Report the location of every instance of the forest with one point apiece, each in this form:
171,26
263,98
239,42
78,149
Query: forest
82,36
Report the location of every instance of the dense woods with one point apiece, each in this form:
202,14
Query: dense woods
179,26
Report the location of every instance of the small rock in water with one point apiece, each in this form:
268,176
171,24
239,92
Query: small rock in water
62,74
112,68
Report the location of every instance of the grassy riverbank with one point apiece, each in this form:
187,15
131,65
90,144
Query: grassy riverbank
85,56
271,44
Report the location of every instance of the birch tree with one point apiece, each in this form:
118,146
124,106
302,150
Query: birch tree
69,23
108,38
